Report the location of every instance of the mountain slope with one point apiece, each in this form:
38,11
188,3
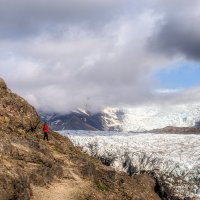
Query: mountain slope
28,164
76,120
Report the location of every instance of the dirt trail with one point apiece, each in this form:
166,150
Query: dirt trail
64,189
57,191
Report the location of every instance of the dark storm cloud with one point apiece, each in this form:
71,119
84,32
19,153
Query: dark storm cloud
178,32
22,18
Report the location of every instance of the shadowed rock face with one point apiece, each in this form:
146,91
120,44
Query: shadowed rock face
27,160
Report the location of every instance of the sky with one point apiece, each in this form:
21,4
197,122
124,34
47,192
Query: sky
61,55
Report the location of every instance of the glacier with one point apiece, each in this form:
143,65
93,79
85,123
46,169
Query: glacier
148,117
173,159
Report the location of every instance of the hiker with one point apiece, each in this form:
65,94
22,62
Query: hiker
45,131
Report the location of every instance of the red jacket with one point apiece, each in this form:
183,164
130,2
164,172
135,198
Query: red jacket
45,128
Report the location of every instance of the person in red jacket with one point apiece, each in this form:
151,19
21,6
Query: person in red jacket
45,131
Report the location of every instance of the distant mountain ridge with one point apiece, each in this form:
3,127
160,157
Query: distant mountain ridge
137,119
83,120
76,120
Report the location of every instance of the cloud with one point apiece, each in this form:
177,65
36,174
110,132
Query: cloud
178,32
177,97
20,19
62,55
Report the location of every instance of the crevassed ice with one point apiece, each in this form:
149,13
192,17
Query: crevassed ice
173,158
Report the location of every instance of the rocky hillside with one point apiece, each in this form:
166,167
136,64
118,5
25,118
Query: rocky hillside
31,168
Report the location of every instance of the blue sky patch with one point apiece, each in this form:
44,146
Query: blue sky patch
181,75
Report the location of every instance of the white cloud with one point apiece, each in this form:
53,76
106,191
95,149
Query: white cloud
96,53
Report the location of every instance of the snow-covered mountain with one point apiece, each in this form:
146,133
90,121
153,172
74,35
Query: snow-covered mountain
173,159
80,119
140,118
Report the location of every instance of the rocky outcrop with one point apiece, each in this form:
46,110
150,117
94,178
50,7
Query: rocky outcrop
27,161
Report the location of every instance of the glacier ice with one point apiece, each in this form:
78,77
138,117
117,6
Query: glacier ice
141,118
173,159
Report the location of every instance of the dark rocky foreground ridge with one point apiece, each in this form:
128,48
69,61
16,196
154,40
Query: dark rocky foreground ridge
28,164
